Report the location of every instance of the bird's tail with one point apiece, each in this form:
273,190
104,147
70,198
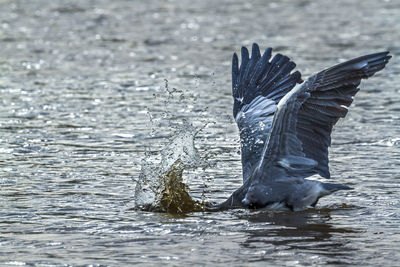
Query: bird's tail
329,188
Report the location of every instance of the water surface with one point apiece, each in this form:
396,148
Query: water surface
83,100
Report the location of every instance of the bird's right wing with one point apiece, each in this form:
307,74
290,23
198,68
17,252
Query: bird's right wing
300,137
257,87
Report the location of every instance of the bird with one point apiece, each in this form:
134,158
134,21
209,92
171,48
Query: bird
285,125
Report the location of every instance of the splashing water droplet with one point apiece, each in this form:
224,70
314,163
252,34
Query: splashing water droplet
160,185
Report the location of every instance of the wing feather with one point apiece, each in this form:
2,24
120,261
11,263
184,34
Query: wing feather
257,86
301,132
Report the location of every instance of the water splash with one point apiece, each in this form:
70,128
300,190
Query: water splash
160,185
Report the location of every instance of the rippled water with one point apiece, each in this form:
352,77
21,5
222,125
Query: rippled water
83,100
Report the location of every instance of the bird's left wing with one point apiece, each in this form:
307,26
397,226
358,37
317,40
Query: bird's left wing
257,87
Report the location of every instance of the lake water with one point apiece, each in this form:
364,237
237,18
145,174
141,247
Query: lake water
84,99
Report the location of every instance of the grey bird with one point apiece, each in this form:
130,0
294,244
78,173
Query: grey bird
285,125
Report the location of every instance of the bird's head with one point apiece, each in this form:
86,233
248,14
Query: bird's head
257,196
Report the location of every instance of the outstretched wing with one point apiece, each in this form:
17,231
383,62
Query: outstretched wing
257,87
300,136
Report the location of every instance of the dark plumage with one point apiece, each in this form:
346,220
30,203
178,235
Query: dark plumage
285,126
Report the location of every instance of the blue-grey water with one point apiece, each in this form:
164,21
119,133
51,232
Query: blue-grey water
88,89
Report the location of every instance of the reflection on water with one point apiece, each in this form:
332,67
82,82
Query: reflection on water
294,229
310,231
83,101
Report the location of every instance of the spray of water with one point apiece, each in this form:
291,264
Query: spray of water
160,186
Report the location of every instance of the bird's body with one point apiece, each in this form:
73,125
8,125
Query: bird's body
286,194
285,126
